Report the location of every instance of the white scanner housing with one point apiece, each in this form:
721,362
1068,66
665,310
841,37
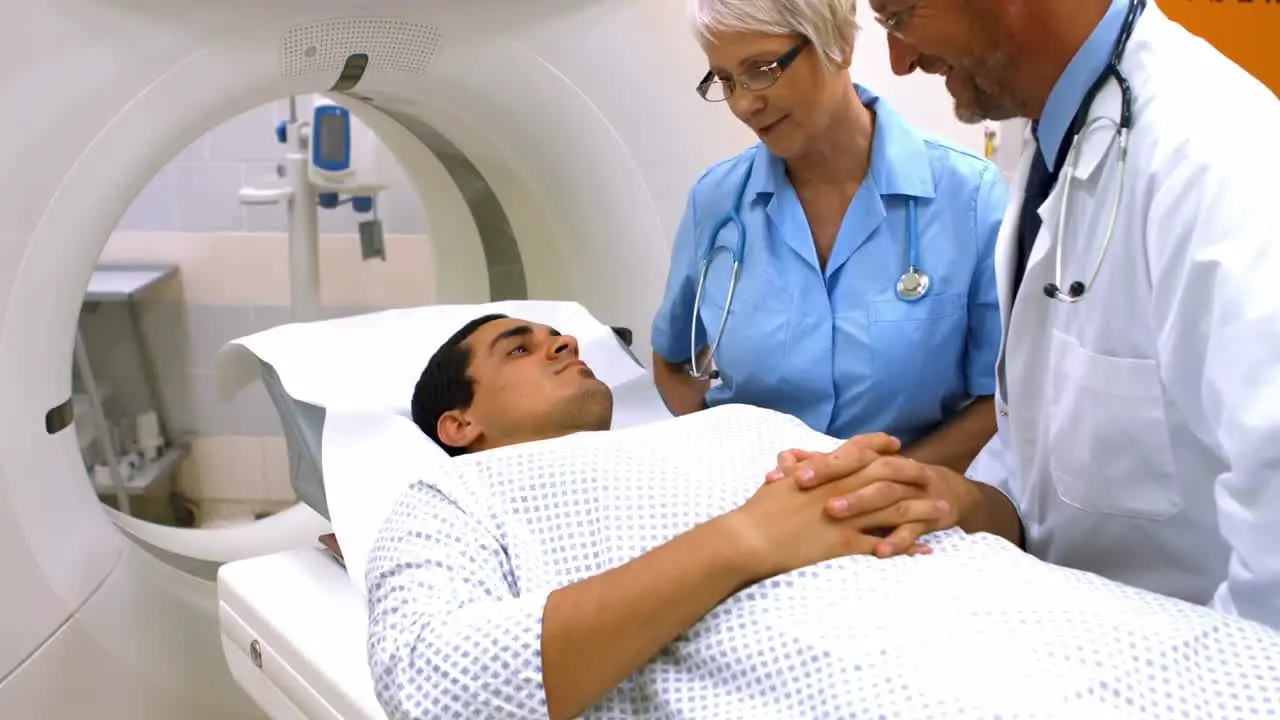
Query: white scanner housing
552,143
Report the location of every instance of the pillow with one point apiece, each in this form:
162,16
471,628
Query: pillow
370,363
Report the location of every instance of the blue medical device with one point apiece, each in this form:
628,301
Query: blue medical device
331,139
912,285
331,158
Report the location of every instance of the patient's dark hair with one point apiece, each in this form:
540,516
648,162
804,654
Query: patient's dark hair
445,384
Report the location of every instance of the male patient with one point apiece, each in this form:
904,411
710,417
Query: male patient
556,568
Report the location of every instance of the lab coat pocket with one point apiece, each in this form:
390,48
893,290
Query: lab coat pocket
1109,449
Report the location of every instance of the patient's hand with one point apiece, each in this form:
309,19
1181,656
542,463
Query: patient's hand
906,505
783,527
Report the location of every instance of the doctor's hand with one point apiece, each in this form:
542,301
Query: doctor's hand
783,527
905,499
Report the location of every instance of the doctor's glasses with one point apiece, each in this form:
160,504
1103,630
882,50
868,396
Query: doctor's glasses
895,20
717,88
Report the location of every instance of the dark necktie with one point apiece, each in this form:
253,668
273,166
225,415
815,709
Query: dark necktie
1040,182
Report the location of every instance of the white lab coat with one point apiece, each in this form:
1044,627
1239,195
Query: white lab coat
1141,426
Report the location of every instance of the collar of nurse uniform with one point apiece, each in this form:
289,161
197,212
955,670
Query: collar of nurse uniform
900,162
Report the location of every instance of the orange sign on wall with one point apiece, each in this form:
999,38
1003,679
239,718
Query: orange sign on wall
1247,31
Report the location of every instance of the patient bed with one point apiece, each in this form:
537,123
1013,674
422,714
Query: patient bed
294,623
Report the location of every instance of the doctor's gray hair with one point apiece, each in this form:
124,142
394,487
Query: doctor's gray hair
829,24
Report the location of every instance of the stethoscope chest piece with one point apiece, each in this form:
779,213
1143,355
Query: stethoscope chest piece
913,284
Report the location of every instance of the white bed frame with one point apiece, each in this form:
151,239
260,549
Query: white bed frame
291,671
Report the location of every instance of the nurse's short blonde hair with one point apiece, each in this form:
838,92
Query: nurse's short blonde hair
829,24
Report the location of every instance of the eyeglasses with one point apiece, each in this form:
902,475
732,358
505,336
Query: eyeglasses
893,22
718,89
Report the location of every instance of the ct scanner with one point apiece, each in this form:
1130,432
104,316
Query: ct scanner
551,104
552,144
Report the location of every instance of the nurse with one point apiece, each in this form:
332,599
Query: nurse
831,202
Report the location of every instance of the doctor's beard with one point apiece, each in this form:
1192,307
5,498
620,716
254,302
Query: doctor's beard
980,90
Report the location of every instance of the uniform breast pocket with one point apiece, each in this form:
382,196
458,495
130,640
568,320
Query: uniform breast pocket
1109,449
752,348
917,347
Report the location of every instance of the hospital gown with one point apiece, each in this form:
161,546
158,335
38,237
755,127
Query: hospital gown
461,570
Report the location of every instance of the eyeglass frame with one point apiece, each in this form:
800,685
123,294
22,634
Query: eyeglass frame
772,70
893,22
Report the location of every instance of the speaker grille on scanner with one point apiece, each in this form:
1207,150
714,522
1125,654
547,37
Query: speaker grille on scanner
324,46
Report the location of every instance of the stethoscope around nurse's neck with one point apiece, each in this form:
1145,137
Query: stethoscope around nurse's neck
912,285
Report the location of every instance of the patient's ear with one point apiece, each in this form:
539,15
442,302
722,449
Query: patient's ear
457,429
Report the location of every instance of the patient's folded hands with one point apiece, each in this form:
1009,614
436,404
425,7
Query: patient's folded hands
887,495
783,527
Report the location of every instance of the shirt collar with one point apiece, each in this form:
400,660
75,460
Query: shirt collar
899,158
1069,91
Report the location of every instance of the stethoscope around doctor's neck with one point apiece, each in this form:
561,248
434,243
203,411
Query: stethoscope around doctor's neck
912,284
1081,125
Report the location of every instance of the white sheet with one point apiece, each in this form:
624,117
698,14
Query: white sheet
362,370
369,459
978,629
370,363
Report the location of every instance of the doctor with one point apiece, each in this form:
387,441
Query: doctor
1139,398
865,296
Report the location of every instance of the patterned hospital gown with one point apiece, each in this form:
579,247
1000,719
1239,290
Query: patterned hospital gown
460,571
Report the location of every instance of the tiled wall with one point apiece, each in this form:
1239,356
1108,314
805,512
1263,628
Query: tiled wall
232,280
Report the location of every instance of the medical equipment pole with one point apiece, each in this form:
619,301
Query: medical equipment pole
304,233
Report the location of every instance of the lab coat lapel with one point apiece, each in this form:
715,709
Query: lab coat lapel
1006,252
1006,260
1094,144
1047,236
1100,134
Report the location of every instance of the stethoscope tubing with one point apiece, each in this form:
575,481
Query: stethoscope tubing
912,285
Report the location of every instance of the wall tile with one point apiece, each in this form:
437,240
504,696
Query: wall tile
401,210
250,413
156,207
207,197
210,328
275,469
182,337
264,218
180,403
266,317
405,279
249,136
168,334
188,477
235,463
341,221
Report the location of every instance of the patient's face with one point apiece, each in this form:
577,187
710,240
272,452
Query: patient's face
529,385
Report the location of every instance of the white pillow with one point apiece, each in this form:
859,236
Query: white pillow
370,363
